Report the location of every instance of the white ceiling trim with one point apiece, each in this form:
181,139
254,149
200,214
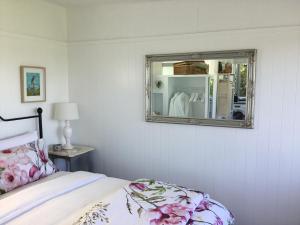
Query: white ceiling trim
72,3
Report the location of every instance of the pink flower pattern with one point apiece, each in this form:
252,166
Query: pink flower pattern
42,156
138,186
161,204
7,151
204,205
13,177
167,204
169,214
211,212
218,221
34,173
21,165
2,163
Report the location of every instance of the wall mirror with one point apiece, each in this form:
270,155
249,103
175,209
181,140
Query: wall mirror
202,88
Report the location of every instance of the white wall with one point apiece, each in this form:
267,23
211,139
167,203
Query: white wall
32,33
253,172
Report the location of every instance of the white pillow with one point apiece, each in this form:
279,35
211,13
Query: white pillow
21,139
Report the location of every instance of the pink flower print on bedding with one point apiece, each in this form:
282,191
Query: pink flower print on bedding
22,165
161,203
169,214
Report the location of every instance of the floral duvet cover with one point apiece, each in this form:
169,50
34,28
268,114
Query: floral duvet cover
157,203
88,198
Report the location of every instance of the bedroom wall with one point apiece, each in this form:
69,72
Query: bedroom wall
253,172
32,32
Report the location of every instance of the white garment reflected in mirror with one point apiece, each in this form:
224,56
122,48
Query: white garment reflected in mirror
208,89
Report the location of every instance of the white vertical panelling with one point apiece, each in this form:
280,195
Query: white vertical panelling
35,39
253,172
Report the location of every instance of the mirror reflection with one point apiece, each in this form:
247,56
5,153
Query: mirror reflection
203,88
214,89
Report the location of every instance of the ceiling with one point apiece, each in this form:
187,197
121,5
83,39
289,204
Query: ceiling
68,3
75,2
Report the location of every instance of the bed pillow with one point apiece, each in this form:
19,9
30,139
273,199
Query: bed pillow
18,140
24,164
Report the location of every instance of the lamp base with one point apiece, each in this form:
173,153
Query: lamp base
68,134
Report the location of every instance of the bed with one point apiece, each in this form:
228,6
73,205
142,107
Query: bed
44,196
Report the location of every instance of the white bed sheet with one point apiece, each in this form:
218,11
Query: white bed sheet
56,209
45,179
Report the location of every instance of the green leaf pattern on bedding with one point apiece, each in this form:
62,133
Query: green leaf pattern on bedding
164,203
96,213
161,204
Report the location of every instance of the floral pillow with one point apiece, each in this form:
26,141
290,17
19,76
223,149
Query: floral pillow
23,164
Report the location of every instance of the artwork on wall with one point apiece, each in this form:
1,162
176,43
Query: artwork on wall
33,84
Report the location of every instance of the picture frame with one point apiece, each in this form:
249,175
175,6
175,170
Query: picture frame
33,84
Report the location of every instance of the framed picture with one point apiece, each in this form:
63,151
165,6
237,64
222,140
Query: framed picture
33,84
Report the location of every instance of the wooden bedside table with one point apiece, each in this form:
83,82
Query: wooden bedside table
69,155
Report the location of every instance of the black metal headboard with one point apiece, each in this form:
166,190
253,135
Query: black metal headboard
39,116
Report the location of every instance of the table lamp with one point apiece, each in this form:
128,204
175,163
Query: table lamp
66,112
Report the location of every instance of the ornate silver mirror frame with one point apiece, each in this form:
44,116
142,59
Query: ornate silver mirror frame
248,122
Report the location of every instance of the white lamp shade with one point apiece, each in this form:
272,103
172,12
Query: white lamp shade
66,111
